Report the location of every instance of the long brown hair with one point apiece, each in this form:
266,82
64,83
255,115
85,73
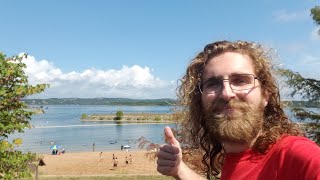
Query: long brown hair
275,122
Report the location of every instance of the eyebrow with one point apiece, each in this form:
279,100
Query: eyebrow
220,77
212,78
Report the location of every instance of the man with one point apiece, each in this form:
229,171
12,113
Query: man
126,160
130,159
101,157
115,163
234,115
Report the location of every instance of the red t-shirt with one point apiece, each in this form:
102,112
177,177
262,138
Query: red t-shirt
292,157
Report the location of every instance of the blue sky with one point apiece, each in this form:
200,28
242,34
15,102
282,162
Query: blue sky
139,49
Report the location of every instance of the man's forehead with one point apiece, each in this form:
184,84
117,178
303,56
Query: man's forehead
228,64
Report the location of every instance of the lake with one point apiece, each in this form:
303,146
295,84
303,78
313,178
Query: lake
60,124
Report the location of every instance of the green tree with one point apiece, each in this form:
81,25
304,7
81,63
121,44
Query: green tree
119,115
14,116
315,13
308,89
84,116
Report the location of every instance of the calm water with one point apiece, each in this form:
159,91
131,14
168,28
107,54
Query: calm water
61,125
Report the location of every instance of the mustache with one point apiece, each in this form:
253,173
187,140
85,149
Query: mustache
218,105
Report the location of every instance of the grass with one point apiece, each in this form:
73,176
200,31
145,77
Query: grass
111,177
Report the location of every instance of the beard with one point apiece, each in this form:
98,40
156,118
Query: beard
239,126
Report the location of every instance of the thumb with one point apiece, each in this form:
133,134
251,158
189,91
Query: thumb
169,137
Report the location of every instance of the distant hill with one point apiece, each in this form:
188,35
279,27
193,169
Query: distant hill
100,101
134,102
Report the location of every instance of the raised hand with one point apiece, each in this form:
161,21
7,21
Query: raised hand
170,155
170,159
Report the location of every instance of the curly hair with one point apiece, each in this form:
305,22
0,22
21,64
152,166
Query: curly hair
275,124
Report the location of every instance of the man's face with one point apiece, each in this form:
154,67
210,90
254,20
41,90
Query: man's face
233,115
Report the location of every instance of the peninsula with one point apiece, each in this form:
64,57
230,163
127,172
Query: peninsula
120,117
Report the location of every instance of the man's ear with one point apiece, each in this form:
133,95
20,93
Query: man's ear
266,96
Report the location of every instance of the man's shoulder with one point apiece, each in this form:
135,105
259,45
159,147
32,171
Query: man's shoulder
296,145
300,155
295,140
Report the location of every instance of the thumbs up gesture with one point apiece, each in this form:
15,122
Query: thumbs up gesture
170,155
170,159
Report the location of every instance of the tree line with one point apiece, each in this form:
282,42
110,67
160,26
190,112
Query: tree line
100,101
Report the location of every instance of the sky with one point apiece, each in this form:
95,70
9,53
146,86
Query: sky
139,49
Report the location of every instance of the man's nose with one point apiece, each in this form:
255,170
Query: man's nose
226,92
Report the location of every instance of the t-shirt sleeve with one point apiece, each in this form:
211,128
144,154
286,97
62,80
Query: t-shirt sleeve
301,157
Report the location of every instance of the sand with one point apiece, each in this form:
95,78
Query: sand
87,163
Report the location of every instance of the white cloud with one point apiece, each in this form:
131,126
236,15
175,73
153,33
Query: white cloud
128,82
285,16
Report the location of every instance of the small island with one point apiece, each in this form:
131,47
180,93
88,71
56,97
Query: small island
130,118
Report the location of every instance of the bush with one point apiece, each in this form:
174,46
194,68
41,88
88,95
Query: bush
119,115
84,116
157,118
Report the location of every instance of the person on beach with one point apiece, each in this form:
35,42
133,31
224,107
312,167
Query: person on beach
93,146
115,163
127,160
235,118
130,159
101,158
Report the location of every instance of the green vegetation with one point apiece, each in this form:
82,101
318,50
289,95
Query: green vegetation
133,117
119,115
14,116
315,13
84,116
308,89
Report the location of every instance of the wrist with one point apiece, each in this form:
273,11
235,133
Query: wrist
185,173
182,173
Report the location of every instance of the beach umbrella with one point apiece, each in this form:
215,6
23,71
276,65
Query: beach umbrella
55,147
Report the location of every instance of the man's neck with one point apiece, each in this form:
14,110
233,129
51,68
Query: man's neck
237,147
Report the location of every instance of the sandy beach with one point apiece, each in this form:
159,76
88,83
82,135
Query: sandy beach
87,163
